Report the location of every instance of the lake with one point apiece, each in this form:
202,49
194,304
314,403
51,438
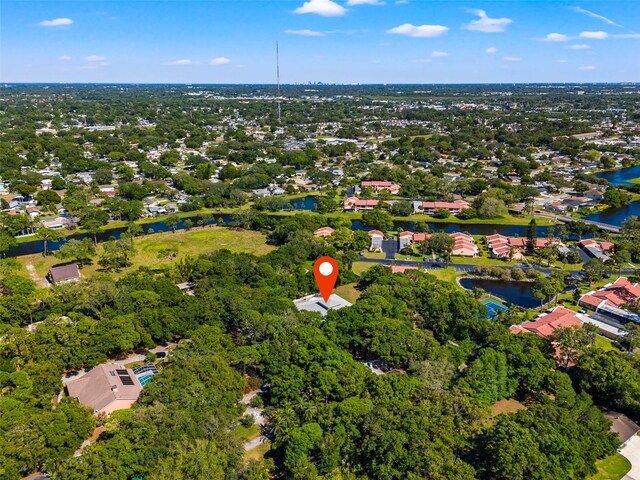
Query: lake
516,293
620,176
615,216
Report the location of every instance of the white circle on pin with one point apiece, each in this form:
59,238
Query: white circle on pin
326,269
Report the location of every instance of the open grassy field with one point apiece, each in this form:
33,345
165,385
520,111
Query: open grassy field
348,292
191,242
611,468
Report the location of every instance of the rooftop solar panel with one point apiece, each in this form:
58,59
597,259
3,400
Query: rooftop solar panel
122,371
126,380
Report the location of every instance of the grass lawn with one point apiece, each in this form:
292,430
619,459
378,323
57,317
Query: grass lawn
378,255
360,267
613,467
258,452
635,180
348,292
193,242
445,274
606,344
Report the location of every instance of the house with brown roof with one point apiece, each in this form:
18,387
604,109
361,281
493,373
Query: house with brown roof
106,388
64,273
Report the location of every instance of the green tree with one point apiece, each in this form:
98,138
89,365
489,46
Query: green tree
48,235
378,219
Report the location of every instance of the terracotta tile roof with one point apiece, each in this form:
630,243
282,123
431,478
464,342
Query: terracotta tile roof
547,323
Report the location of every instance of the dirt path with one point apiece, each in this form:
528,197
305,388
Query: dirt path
34,276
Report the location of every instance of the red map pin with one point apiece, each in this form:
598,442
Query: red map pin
326,272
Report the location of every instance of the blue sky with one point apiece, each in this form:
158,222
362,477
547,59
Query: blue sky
343,41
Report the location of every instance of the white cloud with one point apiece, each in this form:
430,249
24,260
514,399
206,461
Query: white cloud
435,53
563,61
511,59
587,67
352,3
595,15
491,50
419,31
627,35
56,22
579,47
65,58
376,62
486,24
182,61
95,58
423,60
325,8
305,33
220,61
594,35
555,37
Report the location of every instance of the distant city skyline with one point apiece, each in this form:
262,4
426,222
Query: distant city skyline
342,41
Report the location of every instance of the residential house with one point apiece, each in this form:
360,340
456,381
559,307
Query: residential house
106,388
513,247
355,204
596,249
376,240
454,208
324,232
376,186
610,300
547,323
64,273
464,245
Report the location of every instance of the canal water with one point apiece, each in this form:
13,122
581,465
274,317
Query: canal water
516,293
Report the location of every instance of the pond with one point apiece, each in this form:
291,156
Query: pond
516,293
304,203
620,176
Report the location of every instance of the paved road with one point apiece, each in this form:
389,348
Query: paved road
564,218
632,452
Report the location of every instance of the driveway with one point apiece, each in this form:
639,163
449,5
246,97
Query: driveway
390,248
632,452
259,419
